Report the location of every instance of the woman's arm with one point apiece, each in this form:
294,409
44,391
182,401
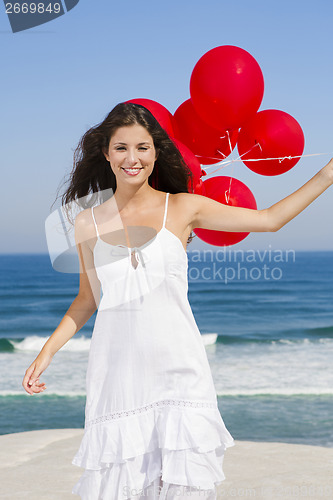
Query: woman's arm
76,316
81,309
210,214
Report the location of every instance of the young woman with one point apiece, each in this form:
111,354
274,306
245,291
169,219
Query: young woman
152,424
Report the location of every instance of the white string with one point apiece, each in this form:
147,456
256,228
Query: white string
285,157
224,156
229,141
227,197
227,192
240,156
224,163
211,157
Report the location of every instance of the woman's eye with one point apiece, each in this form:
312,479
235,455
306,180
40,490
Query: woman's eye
121,148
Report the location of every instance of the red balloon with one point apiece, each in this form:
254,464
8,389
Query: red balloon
271,134
238,195
199,188
193,164
207,143
162,115
227,87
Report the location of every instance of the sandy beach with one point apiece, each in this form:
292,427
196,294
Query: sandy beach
37,465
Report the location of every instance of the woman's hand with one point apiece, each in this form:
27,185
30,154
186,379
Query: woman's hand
31,379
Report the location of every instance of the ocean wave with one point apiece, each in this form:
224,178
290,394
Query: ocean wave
79,344
209,338
35,343
310,391
250,339
68,394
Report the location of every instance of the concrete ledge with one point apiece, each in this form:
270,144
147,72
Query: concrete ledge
37,465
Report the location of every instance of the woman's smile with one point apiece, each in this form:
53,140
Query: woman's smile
132,171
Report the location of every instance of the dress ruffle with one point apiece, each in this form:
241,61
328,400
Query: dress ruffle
123,456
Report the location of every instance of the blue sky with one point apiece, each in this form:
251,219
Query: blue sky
61,78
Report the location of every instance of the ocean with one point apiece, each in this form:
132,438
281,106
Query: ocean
268,321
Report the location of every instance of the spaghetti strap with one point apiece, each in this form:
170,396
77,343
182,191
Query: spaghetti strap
166,209
92,213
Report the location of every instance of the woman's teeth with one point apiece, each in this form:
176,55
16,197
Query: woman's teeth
132,171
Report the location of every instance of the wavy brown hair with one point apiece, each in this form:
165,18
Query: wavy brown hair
91,172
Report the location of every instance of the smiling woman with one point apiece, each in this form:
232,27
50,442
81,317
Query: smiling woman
152,424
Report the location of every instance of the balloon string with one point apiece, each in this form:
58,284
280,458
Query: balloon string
254,146
224,163
224,156
229,141
212,157
227,196
286,157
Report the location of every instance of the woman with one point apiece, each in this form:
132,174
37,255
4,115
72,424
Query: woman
152,425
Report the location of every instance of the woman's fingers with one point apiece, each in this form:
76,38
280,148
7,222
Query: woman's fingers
38,387
41,386
26,378
35,376
31,379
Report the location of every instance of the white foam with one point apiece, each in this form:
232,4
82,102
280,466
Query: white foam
295,367
311,391
209,338
50,393
79,344
35,343
300,366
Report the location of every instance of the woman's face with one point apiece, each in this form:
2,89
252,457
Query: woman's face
131,154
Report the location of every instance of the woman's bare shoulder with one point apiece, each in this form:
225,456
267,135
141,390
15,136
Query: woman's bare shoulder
187,205
84,223
84,218
188,201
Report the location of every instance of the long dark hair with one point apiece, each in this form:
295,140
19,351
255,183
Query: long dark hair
92,173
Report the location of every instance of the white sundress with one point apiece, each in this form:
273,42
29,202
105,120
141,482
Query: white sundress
151,409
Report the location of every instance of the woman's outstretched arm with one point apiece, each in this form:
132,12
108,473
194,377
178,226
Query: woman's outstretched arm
81,309
210,214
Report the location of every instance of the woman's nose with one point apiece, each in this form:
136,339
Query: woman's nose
132,158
